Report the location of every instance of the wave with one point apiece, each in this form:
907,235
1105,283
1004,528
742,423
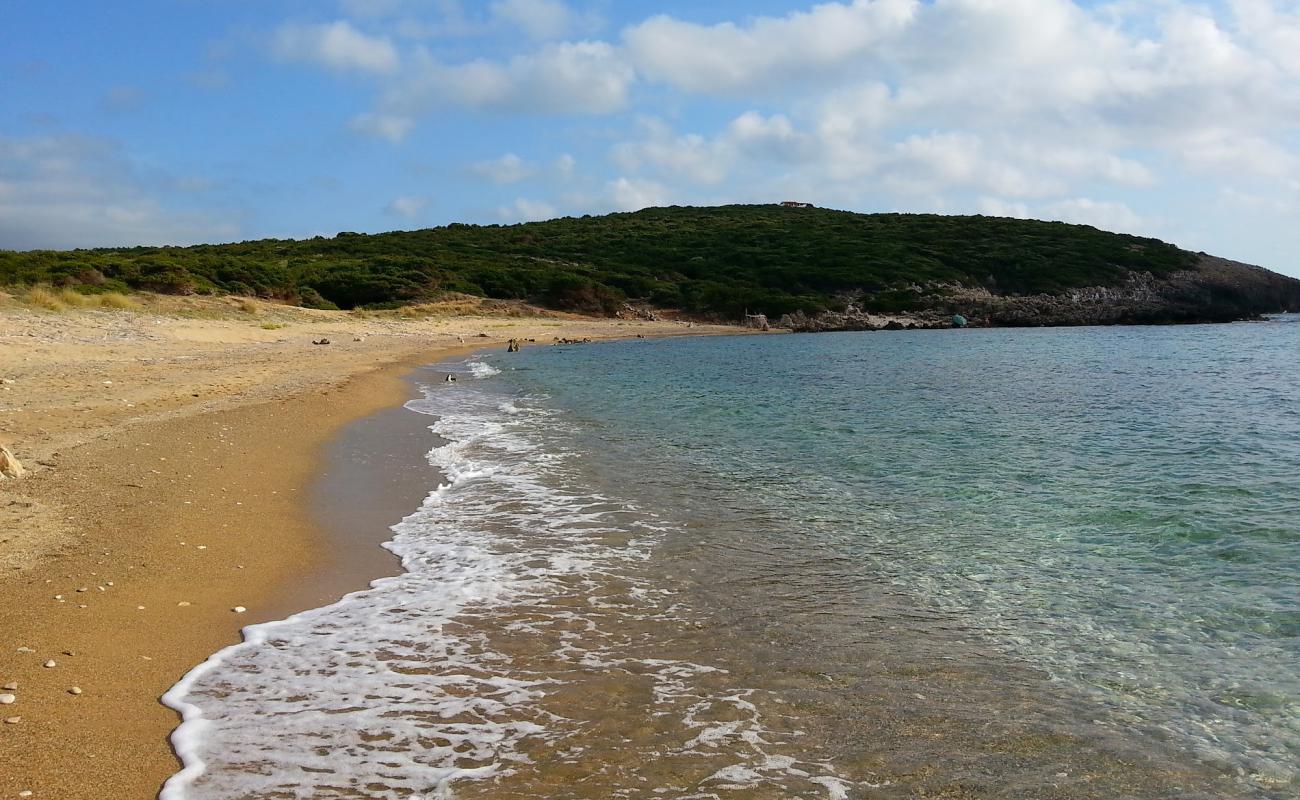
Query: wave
525,606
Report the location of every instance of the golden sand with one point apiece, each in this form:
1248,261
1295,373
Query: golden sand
169,454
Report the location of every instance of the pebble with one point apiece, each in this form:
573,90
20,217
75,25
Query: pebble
7,699
25,793
239,609
51,663
11,686
74,690
26,650
13,720
183,603
82,589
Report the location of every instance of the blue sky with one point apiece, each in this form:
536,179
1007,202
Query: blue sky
199,120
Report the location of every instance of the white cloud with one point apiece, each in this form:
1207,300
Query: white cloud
628,194
525,210
408,206
336,45
565,165
540,19
76,191
997,207
566,78
509,168
730,57
1110,216
392,127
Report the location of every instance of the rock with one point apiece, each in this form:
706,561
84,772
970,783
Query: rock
50,664
239,609
183,603
74,690
25,792
10,467
11,686
8,699
13,720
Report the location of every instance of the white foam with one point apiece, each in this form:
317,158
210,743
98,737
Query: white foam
481,369
401,689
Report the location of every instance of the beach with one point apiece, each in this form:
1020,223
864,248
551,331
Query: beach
171,454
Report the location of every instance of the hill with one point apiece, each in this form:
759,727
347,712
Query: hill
719,261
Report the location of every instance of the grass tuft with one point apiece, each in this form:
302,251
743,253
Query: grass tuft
118,301
43,297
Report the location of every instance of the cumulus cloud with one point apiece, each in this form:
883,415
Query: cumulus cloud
77,191
540,19
730,57
393,127
336,45
409,206
1110,216
628,194
509,168
525,210
565,78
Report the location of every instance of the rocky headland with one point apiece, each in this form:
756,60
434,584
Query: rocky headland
1214,290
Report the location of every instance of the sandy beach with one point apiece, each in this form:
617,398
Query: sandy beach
171,454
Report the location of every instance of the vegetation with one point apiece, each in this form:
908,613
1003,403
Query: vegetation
722,260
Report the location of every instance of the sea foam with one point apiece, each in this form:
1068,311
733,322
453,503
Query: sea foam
521,601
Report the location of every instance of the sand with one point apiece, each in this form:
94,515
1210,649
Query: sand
173,454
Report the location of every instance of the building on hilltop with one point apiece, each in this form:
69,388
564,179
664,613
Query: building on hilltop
795,204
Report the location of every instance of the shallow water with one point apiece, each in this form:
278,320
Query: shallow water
1026,563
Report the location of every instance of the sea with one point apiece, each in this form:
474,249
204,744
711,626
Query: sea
1003,563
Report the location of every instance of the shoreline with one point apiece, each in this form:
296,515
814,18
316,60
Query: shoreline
163,520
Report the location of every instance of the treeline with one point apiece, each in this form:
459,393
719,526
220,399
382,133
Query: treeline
722,260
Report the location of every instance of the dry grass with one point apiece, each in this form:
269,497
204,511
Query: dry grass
248,306
44,297
272,326
119,301
65,299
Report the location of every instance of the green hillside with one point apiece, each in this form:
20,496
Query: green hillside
709,260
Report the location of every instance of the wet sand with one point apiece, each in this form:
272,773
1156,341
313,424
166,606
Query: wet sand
173,460
374,473
165,552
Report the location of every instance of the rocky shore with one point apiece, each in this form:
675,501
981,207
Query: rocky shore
1217,290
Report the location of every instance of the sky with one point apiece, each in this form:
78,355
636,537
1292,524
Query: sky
185,121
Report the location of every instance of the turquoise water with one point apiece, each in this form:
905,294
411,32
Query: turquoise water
1054,563
1118,508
